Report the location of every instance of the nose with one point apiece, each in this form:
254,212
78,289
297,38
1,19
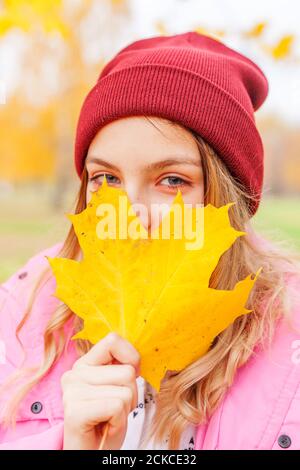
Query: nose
139,201
142,211
150,215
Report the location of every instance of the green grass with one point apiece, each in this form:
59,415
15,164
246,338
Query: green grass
29,224
279,219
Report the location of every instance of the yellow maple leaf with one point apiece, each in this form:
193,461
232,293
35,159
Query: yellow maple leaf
151,290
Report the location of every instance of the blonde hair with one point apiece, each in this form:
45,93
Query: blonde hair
193,394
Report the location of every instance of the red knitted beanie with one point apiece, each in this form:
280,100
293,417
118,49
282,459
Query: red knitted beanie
194,80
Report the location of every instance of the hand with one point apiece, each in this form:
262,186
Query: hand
101,387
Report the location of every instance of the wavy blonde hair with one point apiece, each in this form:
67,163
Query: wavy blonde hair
193,394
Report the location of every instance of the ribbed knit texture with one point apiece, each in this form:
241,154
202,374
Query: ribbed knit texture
194,80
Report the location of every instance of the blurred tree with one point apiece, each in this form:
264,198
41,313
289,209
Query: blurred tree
282,155
26,152
27,15
56,74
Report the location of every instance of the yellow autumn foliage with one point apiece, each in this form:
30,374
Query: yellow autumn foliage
25,15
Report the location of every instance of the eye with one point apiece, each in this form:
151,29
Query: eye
98,179
173,181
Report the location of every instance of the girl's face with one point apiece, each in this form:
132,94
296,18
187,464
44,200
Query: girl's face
150,164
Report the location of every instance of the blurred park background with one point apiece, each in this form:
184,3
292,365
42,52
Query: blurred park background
51,53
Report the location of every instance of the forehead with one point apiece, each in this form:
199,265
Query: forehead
151,138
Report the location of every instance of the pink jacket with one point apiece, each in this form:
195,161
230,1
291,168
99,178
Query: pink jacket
260,411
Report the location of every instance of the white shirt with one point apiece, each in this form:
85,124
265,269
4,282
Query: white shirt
139,418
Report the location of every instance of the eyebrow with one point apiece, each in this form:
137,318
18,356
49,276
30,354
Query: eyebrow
171,160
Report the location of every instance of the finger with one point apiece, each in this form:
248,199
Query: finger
117,374
120,375
83,392
111,347
93,412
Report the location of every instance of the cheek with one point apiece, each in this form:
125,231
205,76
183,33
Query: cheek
198,194
195,195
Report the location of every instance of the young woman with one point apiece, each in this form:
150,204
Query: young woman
166,113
